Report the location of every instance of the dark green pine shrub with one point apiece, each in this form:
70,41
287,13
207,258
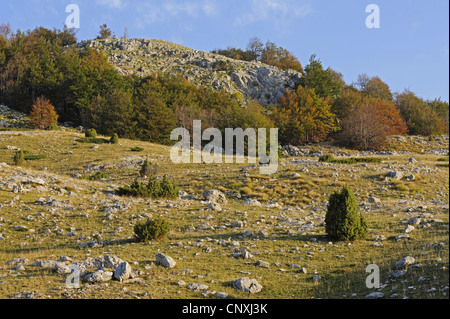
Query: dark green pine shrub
35,157
156,229
154,189
343,222
114,139
165,189
90,133
148,170
145,169
327,158
97,176
19,158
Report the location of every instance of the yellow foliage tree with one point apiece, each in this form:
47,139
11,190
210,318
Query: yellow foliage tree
304,117
43,114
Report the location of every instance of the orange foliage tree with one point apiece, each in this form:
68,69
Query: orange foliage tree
43,114
369,124
302,117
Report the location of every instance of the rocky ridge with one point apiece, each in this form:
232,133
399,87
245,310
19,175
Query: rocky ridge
248,80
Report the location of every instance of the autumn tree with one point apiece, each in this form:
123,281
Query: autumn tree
347,102
43,114
374,87
420,117
369,122
105,32
442,110
280,57
303,117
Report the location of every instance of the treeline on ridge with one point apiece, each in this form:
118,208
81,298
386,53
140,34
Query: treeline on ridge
87,90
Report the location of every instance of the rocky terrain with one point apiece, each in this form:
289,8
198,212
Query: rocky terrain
12,119
234,233
251,80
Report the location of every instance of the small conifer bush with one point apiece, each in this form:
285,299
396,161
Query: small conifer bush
114,139
154,189
343,221
19,158
156,229
91,133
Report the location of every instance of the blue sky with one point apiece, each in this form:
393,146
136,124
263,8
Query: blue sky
409,50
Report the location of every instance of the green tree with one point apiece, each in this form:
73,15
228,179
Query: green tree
343,220
326,83
114,139
153,118
19,158
420,117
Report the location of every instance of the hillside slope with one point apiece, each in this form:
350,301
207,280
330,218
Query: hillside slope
253,80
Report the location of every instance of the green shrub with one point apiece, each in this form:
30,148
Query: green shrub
91,133
92,140
327,158
165,189
53,127
343,220
97,176
114,139
148,170
154,189
34,157
353,160
156,229
137,149
19,158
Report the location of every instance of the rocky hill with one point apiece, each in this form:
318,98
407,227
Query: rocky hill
252,80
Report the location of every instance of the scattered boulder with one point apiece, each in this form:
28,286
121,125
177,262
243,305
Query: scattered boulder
239,224
395,175
242,253
111,261
405,262
409,229
221,295
122,272
375,295
414,221
263,264
248,285
99,276
214,206
61,268
197,287
252,202
165,261
215,196
374,200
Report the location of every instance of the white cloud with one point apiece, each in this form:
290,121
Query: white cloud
278,12
151,11
116,4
